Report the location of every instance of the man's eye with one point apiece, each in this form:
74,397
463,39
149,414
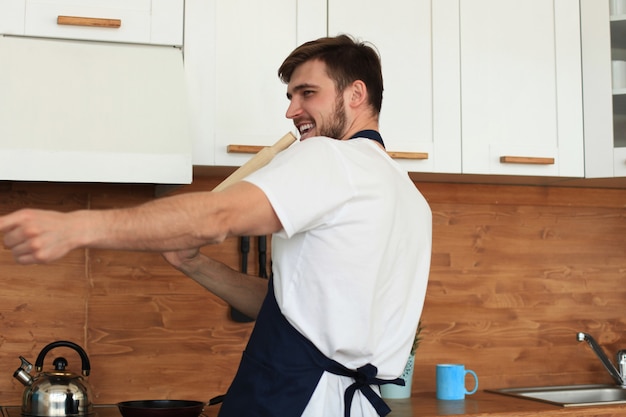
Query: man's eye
307,93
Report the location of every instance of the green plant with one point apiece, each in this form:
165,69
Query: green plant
417,339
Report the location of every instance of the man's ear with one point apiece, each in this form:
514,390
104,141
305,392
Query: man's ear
358,93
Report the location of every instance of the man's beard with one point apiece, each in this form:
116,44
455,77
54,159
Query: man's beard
337,123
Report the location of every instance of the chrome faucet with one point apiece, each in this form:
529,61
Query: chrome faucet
618,376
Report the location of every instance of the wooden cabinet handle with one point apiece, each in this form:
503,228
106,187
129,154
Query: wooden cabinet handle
408,155
89,21
262,158
244,148
526,160
256,148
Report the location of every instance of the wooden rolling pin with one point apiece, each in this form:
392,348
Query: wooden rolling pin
262,158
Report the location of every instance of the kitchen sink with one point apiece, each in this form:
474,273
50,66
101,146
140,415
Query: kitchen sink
569,395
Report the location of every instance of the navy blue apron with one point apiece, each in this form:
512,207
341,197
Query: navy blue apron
280,368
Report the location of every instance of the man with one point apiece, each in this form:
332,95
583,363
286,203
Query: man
350,248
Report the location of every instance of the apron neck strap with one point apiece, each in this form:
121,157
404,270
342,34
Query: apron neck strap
369,134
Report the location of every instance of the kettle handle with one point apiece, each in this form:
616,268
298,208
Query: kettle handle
86,366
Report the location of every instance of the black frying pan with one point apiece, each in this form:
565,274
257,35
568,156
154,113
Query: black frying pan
164,408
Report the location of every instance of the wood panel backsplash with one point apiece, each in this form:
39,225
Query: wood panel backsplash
516,272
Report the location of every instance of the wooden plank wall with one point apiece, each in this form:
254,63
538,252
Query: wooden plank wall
516,272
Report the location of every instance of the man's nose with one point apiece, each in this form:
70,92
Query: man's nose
293,110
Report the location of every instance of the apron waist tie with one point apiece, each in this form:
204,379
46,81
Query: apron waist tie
363,378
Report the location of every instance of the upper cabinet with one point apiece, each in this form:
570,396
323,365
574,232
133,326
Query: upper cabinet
471,86
491,87
135,21
237,98
477,86
232,53
93,91
251,99
92,112
420,120
521,90
604,83
487,87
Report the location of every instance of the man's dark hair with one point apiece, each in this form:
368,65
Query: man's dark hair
346,61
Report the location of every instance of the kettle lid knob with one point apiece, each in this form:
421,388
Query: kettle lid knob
59,364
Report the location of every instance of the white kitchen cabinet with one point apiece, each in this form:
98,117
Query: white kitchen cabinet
92,112
134,21
253,39
199,64
72,109
480,86
603,41
468,83
618,56
521,88
232,55
246,105
420,73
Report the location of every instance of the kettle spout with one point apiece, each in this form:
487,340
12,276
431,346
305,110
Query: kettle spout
22,373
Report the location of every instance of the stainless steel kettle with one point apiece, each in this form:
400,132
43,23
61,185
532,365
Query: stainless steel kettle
56,393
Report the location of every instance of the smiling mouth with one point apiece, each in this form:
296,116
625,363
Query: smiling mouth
305,128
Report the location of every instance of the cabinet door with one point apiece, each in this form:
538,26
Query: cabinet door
596,63
199,56
521,91
92,112
604,43
252,40
130,21
403,39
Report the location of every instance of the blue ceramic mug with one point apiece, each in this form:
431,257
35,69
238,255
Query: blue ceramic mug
451,382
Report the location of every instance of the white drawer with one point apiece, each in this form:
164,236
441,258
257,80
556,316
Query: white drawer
138,21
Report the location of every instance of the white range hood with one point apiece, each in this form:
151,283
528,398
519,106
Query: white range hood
82,111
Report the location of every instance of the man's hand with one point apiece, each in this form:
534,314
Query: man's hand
37,236
179,259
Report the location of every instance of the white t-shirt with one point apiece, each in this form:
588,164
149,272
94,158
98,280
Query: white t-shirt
352,261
